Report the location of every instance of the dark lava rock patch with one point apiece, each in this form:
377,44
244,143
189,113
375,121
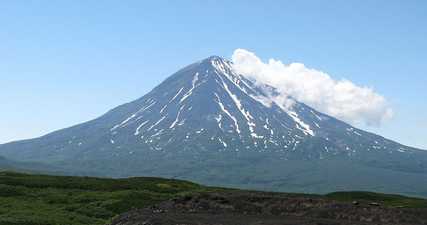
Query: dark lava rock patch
255,208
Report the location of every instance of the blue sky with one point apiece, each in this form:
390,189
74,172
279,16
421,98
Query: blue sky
65,62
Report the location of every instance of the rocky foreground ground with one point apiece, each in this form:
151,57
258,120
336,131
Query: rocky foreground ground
254,208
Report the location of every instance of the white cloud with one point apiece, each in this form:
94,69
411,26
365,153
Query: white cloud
339,98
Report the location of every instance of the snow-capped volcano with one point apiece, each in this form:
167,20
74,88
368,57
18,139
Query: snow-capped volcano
209,124
208,103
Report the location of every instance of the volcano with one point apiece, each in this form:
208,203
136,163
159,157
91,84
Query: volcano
209,124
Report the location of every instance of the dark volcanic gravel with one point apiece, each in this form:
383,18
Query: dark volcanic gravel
249,208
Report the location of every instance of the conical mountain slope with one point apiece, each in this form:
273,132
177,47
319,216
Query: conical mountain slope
207,123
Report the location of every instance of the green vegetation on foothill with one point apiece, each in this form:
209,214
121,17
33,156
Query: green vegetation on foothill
62,200
50,200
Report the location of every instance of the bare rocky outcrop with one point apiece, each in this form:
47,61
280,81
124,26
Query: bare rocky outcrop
247,208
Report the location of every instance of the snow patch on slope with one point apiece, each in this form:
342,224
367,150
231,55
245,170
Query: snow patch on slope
193,83
177,117
300,124
222,107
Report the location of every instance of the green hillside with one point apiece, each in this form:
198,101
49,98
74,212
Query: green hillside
59,200
48,200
